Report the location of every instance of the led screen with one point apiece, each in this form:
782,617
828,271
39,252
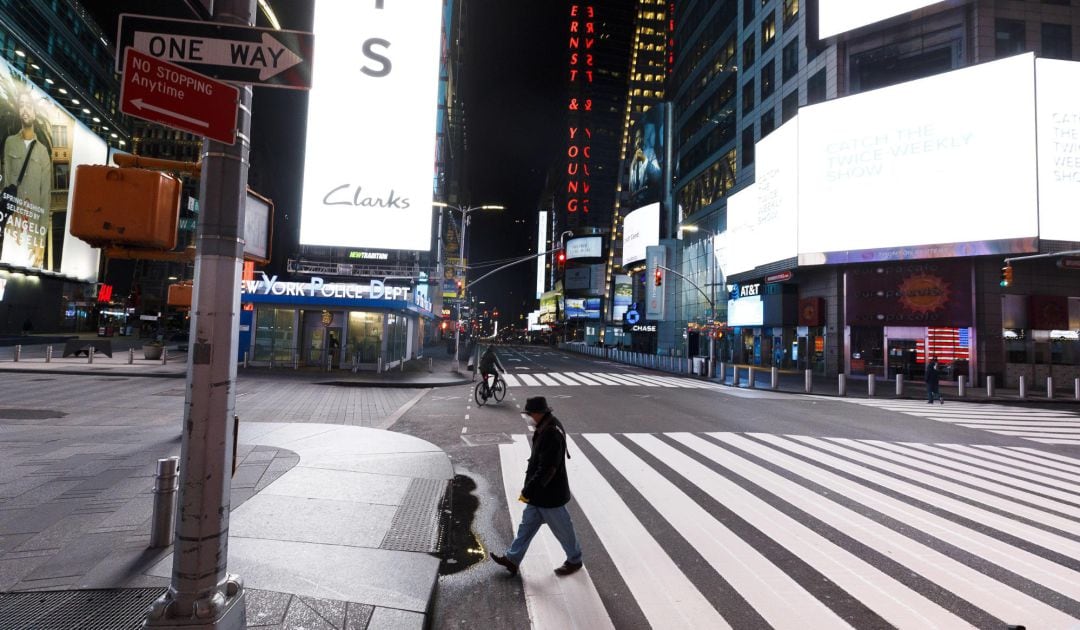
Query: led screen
1059,149
369,159
747,311
840,16
641,228
646,159
923,169
587,247
541,245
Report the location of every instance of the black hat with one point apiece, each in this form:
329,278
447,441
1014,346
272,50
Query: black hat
537,404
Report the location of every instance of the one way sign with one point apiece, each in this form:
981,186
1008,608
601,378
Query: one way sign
239,54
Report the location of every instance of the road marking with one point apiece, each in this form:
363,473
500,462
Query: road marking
547,380
510,380
465,429
466,416
528,380
564,379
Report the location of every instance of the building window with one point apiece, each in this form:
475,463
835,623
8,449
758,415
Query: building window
768,82
791,59
789,106
748,146
1056,41
815,88
748,8
748,96
768,122
768,31
791,12
748,49
1008,38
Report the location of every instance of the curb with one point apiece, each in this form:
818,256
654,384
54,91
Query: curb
1063,400
82,372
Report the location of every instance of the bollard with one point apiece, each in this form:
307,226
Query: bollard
1076,388
871,385
131,356
90,355
245,360
735,376
774,378
271,361
165,355
1023,387
429,365
18,352
751,380
48,354
723,372
808,381
961,386
841,386
296,362
989,385
899,385
165,484
1049,387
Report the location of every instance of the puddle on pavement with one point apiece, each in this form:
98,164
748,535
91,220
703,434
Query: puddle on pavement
462,548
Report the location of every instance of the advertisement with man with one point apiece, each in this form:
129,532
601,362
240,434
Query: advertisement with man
646,158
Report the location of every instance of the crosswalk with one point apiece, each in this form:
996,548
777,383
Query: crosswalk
1049,426
734,530
576,379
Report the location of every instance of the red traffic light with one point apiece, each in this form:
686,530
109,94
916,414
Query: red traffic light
659,277
561,257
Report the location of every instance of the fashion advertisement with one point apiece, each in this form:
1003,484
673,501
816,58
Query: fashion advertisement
34,130
646,155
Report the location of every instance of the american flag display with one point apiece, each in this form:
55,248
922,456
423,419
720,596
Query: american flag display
947,344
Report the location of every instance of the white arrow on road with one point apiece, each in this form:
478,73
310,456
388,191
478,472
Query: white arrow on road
269,57
140,104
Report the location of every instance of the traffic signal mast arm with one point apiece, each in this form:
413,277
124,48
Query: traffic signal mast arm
712,306
512,263
1007,272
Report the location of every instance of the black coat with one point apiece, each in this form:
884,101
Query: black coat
932,374
546,484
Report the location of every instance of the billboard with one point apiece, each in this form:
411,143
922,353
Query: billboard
840,16
624,296
655,304
582,308
584,247
370,153
541,246
641,229
1058,111
43,144
646,161
908,171
913,293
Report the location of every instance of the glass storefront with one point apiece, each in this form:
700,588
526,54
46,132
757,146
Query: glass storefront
275,334
397,337
364,339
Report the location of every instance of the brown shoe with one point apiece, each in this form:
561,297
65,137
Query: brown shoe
567,568
502,561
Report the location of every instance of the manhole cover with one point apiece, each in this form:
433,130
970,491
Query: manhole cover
30,414
104,609
482,439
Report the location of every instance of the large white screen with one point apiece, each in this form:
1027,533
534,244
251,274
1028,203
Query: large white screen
80,260
840,16
369,162
584,247
641,228
1058,99
943,160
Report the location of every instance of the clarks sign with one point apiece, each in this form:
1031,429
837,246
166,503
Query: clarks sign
316,287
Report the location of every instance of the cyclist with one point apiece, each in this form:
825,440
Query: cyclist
490,365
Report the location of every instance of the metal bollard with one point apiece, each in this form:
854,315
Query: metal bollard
723,372
1023,387
90,355
166,482
18,352
1076,388
735,376
774,377
871,385
899,385
961,386
48,354
131,356
808,381
246,359
164,355
989,385
429,365
296,362
841,385
1049,387
751,379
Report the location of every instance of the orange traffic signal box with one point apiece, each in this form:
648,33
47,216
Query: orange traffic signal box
125,206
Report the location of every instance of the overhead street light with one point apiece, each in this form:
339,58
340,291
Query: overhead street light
465,210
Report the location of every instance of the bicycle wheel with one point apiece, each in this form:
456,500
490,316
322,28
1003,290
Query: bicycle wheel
480,394
499,390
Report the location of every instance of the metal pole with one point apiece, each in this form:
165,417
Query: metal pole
90,355
841,385
989,385
871,385
1076,388
774,376
18,352
165,355
751,380
245,360
202,594
161,526
808,381
1049,387
961,385
899,385
131,356
1023,387
464,282
48,354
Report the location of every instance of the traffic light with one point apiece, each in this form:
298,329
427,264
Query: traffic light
658,279
561,258
460,289
1006,275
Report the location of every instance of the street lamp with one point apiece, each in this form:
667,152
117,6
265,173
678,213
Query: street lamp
465,211
712,284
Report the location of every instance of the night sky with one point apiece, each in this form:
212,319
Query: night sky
512,84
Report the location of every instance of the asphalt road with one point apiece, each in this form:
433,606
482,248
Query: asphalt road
699,505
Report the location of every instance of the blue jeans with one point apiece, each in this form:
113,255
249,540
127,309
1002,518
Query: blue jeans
558,519
932,392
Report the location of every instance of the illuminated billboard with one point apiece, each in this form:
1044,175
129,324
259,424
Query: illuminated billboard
912,170
43,144
641,228
646,160
1058,103
370,153
841,16
584,247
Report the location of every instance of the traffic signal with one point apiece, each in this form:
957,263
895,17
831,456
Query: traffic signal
460,289
658,279
561,258
1006,275
445,324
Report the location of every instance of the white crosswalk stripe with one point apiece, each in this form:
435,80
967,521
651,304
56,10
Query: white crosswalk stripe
918,535
614,379
1049,426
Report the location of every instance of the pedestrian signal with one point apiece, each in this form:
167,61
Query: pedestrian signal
1006,275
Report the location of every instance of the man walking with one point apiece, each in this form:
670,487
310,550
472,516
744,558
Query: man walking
933,383
546,492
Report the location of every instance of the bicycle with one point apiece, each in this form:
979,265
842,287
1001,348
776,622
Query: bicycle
496,390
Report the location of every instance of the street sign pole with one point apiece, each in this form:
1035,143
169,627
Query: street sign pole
202,594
